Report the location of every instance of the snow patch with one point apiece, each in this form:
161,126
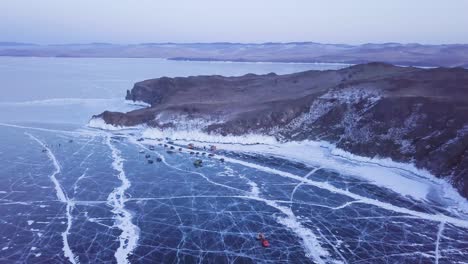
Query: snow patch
181,122
353,95
99,123
199,136
137,103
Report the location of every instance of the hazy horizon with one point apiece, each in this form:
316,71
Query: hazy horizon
2,41
210,21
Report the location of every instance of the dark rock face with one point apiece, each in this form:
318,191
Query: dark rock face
126,119
375,110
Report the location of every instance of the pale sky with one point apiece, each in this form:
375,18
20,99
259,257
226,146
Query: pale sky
326,21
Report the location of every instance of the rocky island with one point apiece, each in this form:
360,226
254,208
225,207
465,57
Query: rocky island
375,110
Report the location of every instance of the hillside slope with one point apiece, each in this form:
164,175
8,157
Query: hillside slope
375,110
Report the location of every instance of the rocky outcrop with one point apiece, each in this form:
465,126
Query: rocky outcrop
375,110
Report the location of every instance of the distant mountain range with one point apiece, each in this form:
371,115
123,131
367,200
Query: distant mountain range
450,55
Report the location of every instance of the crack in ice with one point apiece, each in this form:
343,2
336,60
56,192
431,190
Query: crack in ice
301,183
309,240
439,234
361,199
40,129
130,232
61,195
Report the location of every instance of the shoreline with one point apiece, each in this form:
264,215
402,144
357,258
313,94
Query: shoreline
183,60
403,178
238,61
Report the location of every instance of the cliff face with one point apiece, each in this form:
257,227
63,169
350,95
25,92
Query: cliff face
407,114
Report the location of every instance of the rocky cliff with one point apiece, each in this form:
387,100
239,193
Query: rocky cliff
375,110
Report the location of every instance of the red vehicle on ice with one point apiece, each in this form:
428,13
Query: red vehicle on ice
263,240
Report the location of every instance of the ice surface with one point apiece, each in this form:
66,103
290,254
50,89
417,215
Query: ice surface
129,211
403,178
62,198
71,194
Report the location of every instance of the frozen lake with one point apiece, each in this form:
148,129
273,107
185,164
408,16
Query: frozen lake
70,194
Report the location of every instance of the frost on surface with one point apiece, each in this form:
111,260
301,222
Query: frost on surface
346,99
179,121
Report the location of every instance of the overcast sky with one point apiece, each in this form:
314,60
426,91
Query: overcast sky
326,21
